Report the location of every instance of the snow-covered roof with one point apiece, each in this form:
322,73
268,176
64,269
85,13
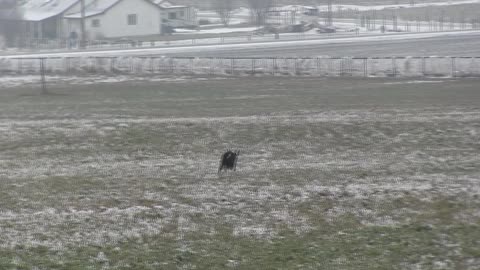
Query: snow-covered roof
38,10
165,4
95,8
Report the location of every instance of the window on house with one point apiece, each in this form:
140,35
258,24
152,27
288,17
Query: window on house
96,23
182,13
172,15
132,19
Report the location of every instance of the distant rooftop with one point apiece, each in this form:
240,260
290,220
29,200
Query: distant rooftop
94,8
38,10
166,4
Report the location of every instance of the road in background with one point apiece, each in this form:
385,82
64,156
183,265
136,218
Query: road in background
442,46
416,44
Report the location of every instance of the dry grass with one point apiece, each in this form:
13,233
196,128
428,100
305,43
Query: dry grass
339,173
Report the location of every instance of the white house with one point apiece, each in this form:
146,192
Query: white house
57,19
120,18
117,18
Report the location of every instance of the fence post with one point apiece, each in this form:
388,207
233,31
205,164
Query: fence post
232,66
212,66
342,67
151,64
253,66
112,64
296,66
274,66
171,65
318,66
160,66
453,67
191,66
69,64
472,72
42,75
394,66
365,67
329,66
131,64
93,64
424,66
19,66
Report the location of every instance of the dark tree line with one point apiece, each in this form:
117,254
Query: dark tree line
259,10
224,9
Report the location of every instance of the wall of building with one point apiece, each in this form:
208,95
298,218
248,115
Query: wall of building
114,22
66,24
184,16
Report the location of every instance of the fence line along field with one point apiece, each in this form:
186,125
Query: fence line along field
333,173
459,66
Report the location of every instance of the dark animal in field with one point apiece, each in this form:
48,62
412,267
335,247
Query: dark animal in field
229,161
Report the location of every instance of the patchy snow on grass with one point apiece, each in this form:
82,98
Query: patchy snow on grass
28,80
220,30
415,82
102,179
396,6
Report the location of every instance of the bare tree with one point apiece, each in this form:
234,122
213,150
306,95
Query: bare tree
224,9
259,10
10,21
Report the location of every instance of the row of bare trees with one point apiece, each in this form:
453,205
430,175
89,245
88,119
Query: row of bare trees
258,8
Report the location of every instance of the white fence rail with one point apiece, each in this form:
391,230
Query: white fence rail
327,66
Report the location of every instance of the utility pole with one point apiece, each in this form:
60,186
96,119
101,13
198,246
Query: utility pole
82,25
330,15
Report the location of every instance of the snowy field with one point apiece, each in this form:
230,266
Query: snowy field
333,174
398,6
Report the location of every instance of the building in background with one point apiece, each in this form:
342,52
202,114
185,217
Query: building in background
61,19
43,19
174,16
116,18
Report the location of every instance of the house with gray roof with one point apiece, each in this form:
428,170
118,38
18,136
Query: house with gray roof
44,18
122,18
117,18
59,19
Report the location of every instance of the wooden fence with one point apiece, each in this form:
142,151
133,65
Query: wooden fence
464,66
